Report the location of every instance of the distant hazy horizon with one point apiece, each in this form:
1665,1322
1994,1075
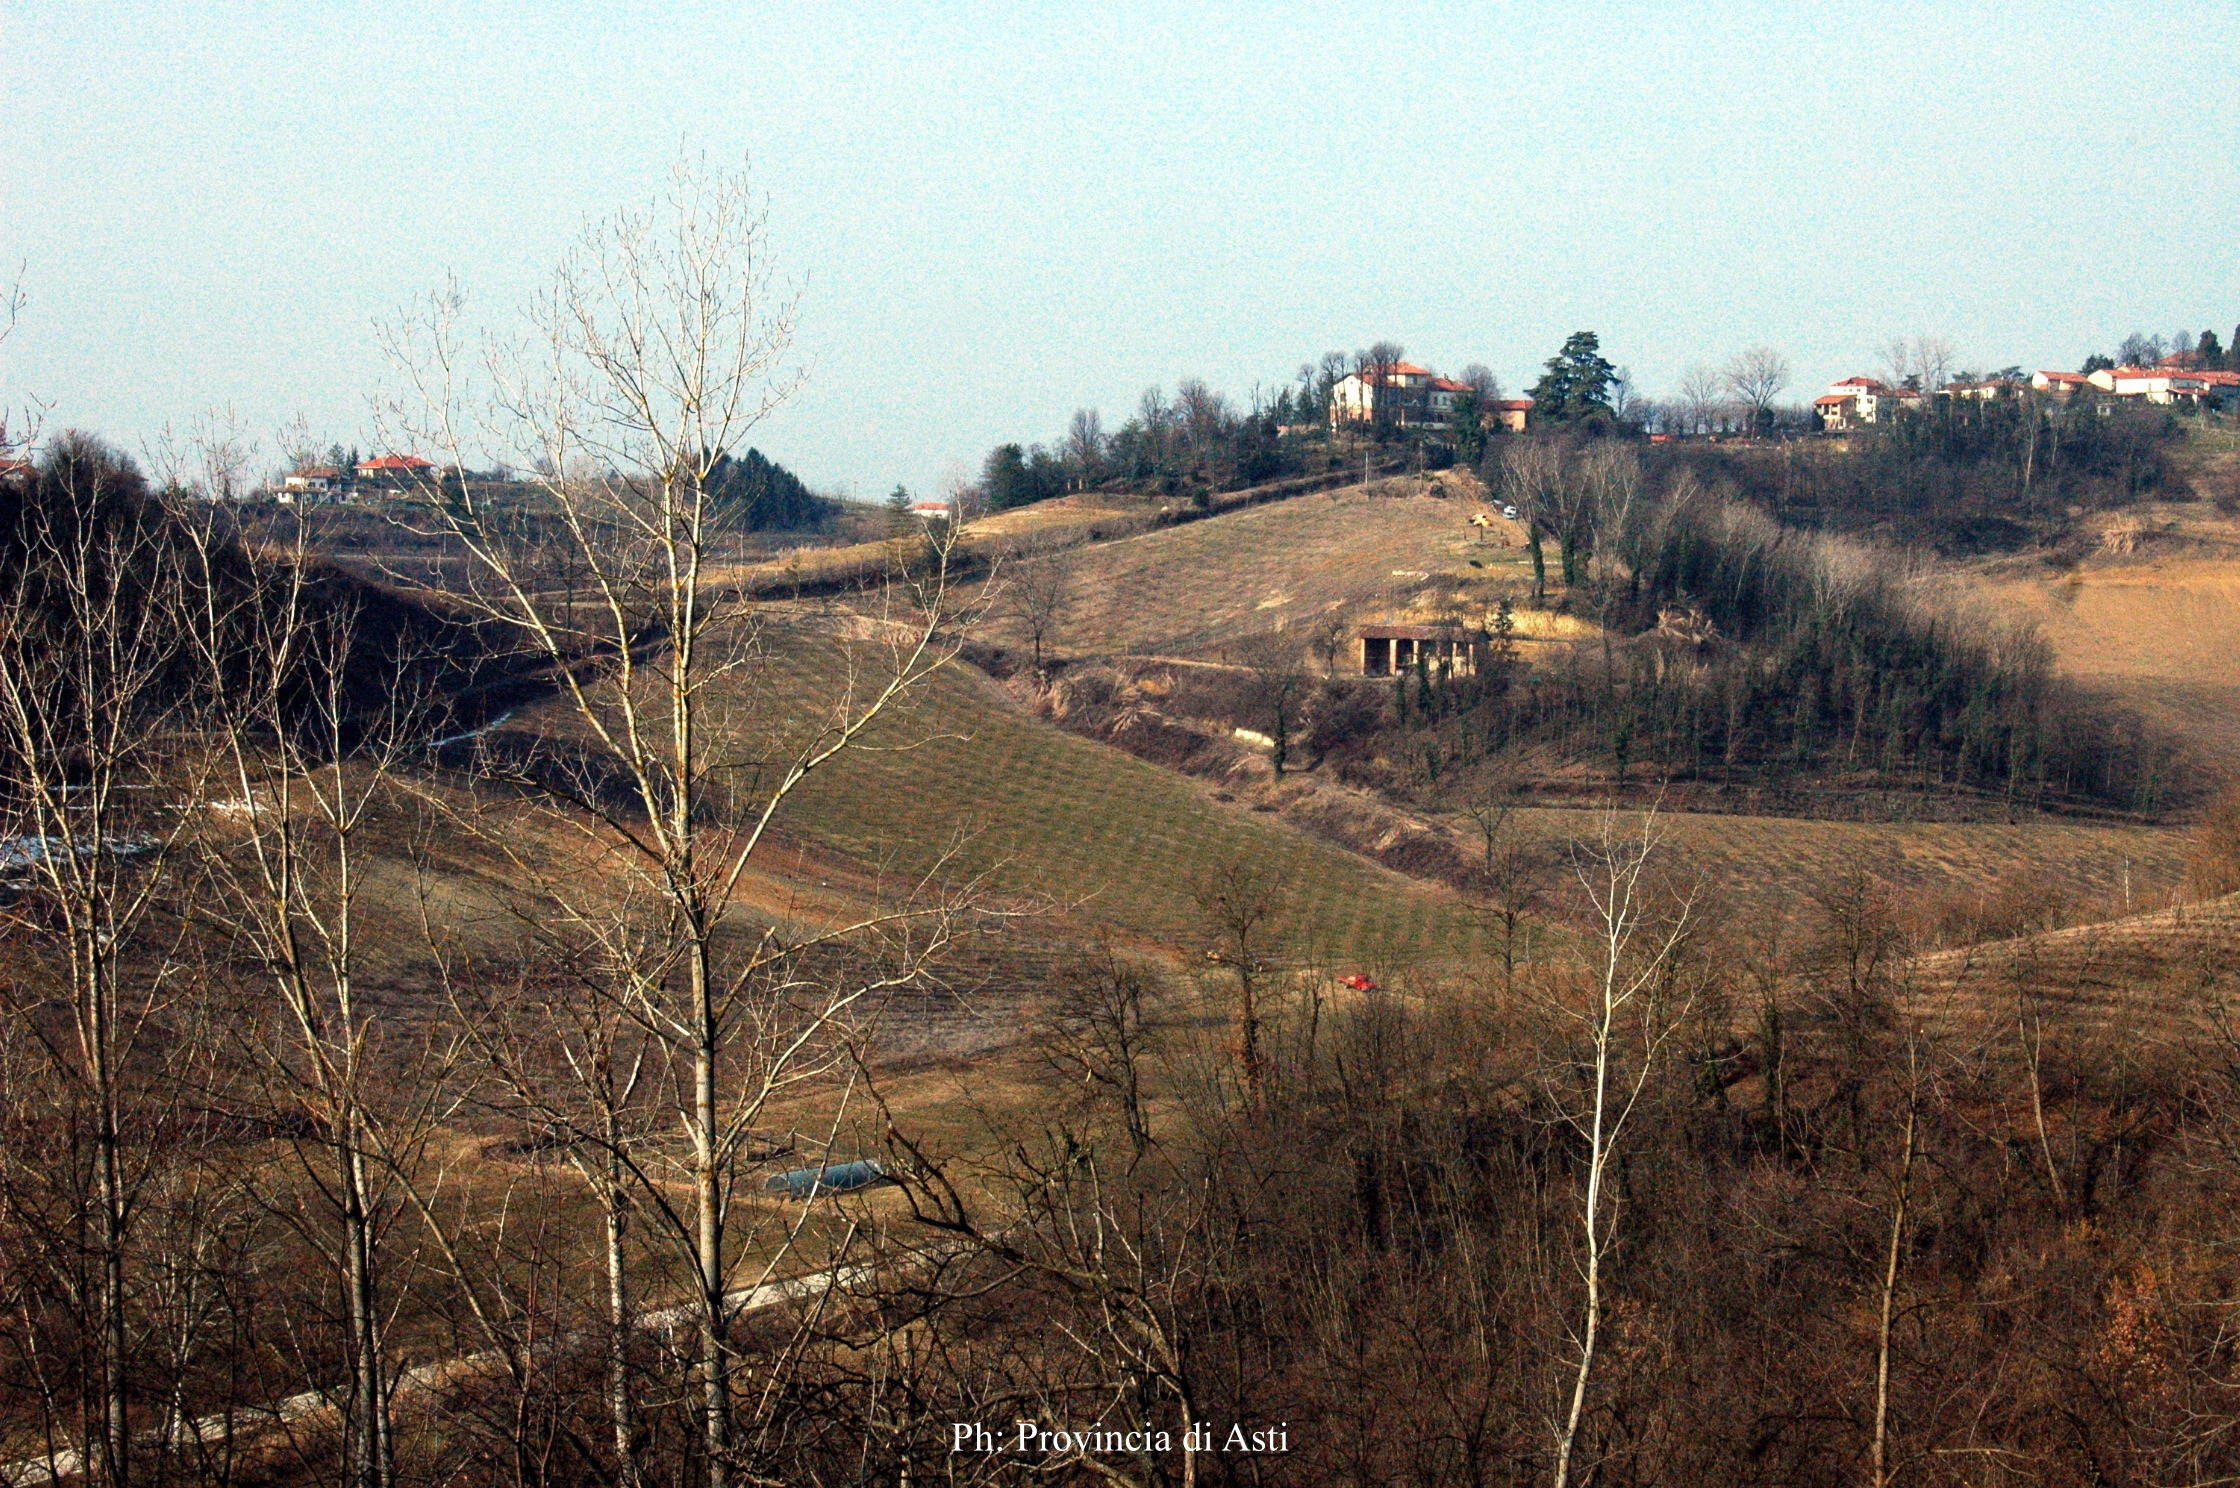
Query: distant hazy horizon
1001,215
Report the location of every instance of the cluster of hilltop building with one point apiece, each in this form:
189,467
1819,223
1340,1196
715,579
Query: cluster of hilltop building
1408,396
1864,400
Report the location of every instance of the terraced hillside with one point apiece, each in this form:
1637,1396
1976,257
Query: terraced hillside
963,784
1186,591
1764,864
2164,975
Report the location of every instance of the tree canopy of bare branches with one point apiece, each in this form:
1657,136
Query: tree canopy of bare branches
662,339
1756,377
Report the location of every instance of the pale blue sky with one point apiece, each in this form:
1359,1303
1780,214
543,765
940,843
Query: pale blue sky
1006,213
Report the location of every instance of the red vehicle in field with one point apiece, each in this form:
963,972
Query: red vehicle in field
1358,982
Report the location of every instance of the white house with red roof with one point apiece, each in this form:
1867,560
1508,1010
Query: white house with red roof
396,469
2167,384
1857,401
1403,393
2162,385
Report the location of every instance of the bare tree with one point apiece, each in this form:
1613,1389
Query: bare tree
1158,418
1922,362
299,450
1376,364
1701,393
1619,1023
1933,358
1896,356
90,719
1243,902
1513,873
1329,372
1101,1036
1532,480
1277,690
1479,378
310,733
1204,414
1893,1261
1608,479
19,429
1626,401
660,344
1037,593
1084,448
1332,632
223,452
1756,377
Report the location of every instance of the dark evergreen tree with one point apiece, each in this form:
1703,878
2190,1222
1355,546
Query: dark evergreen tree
761,495
1575,388
1468,427
1004,482
2210,351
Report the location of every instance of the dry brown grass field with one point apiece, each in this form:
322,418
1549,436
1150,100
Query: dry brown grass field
1757,865
1189,590
2163,975
2152,619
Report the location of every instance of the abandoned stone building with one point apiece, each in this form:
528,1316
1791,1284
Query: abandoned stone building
1444,649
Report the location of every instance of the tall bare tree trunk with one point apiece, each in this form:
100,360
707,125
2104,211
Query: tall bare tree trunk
1596,1242
621,1317
370,1465
116,1426
1893,1259
708,1199
1625,1024
88,633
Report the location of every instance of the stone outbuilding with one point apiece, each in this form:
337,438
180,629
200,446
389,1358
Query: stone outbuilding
1446,649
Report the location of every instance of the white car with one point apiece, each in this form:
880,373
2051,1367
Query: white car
1510,512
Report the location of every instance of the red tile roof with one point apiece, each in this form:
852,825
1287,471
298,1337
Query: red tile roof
398,462
1514,405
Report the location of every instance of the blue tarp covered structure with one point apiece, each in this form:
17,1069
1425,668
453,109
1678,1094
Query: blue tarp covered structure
847,1177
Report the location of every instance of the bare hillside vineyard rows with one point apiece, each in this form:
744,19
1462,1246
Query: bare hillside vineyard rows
1390,935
